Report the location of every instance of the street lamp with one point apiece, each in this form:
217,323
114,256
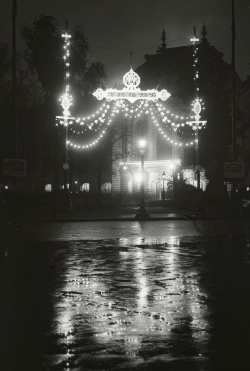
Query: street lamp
163,188
76,187
197,110
198,167
142,213
173,174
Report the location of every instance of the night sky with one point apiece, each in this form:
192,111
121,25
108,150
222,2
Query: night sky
136,25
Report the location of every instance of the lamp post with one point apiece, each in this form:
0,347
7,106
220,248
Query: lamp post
198,167
163,188
76,188
142,213
197,110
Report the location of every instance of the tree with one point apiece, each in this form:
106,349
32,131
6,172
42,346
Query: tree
43,52
5,101
30,96
44,55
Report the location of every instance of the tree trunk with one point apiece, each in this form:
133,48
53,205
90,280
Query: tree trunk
99,182
55,186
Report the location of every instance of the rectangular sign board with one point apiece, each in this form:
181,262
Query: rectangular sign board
234,170
14,167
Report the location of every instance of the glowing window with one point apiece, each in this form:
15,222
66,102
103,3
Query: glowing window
48,188
85,187
106,187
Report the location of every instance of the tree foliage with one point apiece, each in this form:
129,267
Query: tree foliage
30,97
43,52
44,55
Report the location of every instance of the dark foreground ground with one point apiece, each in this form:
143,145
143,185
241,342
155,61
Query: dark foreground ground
125,295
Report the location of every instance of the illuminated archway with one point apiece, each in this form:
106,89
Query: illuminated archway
133,103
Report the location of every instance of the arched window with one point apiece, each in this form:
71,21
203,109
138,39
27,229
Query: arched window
62,187
85,187
106,187
48,188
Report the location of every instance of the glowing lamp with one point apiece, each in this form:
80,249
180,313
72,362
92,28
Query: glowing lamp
194,39
66,102
172,166
138,177
142,145
197,107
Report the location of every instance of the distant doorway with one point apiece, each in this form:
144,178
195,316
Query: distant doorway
164,188
161,190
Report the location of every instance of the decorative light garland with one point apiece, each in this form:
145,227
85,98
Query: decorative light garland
148,102
66,99
194,40
94,142
162,108
121,106
90,117
197,102
98,120
168,119
178,144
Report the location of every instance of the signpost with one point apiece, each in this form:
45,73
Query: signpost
234,170
14,167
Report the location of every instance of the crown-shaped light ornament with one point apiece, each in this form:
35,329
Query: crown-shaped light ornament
131,79
131,91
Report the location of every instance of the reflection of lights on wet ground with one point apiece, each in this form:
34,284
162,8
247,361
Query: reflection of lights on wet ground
147,241
123,241
123,296
140,274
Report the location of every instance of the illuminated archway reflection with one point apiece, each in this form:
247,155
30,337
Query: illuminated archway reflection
130,298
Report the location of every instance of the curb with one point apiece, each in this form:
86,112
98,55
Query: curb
103,219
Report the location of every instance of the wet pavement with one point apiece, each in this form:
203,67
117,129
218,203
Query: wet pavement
125,296
96,230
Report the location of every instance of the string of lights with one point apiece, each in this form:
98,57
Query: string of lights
90,144
197,104
165,135
90,117
66,99
98,120
167,118
132,102
120,106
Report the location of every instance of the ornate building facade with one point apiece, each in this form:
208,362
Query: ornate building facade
163,159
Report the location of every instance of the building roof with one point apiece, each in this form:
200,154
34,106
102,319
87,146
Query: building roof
169,62
172,69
